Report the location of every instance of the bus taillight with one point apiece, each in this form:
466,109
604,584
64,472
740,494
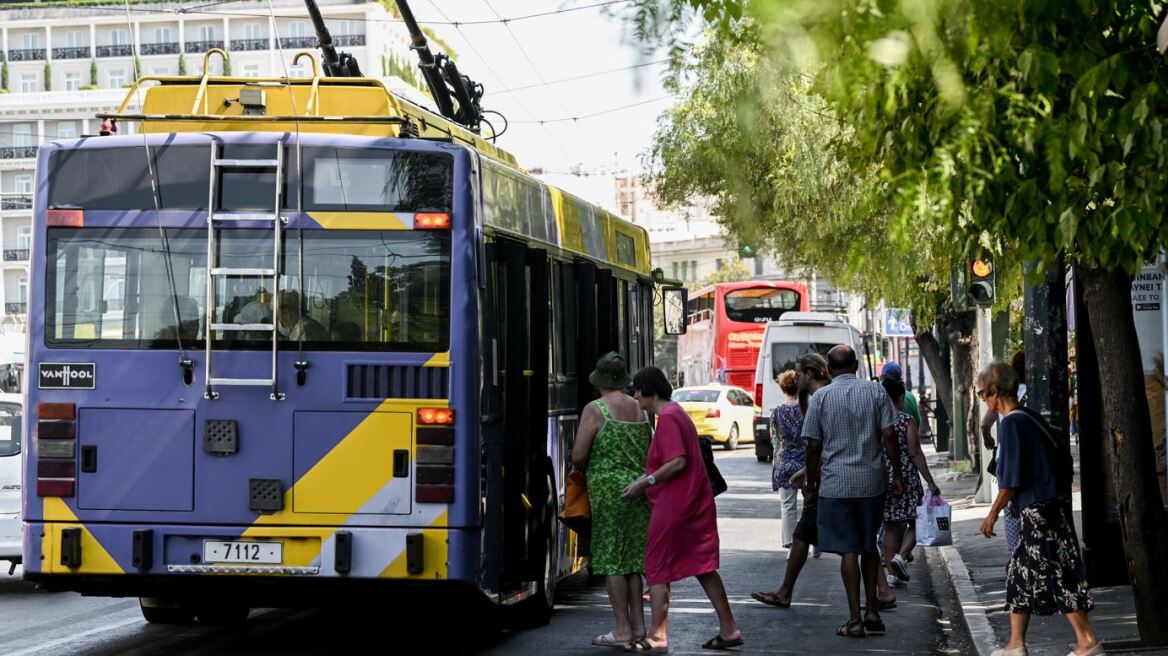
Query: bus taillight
436,416
65,218
432,221
56,447
434,462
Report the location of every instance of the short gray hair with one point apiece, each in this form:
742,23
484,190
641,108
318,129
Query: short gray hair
1001,377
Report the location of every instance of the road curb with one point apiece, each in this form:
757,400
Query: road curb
974,612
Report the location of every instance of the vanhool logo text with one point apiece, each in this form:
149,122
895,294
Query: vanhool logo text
64,375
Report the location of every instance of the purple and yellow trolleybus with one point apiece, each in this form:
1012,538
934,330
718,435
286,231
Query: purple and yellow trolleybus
298,339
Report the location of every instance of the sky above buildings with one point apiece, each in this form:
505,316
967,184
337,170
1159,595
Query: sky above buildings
520,63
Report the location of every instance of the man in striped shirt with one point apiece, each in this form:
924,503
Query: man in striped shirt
849,430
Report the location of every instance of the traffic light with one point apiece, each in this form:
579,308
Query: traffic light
745,251
981,286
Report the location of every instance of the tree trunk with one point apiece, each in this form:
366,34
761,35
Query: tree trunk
938,367
1107,295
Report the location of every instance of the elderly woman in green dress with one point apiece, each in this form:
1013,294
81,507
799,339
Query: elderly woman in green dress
611,445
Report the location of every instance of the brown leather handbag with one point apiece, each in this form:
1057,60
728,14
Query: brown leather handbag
577,513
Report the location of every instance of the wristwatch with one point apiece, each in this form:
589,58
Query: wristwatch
652,479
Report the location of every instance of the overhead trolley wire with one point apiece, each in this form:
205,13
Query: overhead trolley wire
565,119
583,76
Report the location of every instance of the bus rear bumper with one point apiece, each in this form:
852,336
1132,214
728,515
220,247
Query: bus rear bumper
129,560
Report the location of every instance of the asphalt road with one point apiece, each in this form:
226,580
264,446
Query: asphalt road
64,623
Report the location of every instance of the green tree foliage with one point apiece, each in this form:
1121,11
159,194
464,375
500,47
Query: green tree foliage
4,75
93,73
48,76
735,271
182,64
226,66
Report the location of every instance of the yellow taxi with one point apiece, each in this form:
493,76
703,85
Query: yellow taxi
722,412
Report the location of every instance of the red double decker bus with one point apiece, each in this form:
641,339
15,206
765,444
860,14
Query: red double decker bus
725,326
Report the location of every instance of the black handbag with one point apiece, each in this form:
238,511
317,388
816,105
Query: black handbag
716,480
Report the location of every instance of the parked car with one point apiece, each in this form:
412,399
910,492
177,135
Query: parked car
723,413
783,342
10,477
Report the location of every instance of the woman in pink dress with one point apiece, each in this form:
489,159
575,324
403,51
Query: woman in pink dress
683,528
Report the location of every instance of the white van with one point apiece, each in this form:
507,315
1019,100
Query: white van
783,342
10,477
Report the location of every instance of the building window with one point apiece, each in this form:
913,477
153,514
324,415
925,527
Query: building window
693,269
72,81
67,129
117,78
74,39
718,263
22,289
206,32
758,266
251,70
24,184
347,27
28,83
119,37
252,31
162,35
23,236
22,138
298,29
30,40
676,271
160,71
297,70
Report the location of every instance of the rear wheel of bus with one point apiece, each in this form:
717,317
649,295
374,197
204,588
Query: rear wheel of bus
537,609
165,611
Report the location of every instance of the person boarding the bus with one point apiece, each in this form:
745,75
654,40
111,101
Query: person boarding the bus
295,326
612,443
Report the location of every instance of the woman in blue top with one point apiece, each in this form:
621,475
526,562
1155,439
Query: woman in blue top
791,453
1045,574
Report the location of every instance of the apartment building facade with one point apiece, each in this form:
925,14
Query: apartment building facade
61,65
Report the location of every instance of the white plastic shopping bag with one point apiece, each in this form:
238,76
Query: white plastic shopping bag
933,522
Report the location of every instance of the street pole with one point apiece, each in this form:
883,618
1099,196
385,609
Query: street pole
985,355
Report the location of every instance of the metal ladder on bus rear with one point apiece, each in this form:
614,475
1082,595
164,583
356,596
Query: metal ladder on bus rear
216,272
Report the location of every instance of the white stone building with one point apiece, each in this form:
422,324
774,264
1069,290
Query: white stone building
64,64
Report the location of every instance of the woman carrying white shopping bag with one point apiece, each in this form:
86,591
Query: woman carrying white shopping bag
1045,575
933,521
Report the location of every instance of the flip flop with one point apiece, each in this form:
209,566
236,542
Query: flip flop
882,605
608,640
643,646
770,599
719,643
846,630
875,627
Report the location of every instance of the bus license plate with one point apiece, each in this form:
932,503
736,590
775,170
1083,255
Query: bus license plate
258,553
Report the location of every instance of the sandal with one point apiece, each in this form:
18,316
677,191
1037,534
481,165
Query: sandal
882,605
643,646
852,630
718,642
875,626
770,599
608,640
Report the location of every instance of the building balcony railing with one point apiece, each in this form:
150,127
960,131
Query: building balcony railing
15,308
124,50
18,152
27,54
199,47
159,49
80,52
350,40
249,44
16,255
298,42
16,201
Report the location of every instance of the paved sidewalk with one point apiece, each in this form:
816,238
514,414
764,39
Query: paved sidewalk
985,562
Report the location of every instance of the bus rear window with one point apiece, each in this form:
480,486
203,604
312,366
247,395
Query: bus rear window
333,179
760,304
361,290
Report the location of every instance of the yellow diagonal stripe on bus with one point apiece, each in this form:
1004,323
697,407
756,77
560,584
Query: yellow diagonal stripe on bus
359,221
357,468
439,360
434,555
94,558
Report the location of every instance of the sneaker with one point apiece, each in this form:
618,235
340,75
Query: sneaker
894,582
899,567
